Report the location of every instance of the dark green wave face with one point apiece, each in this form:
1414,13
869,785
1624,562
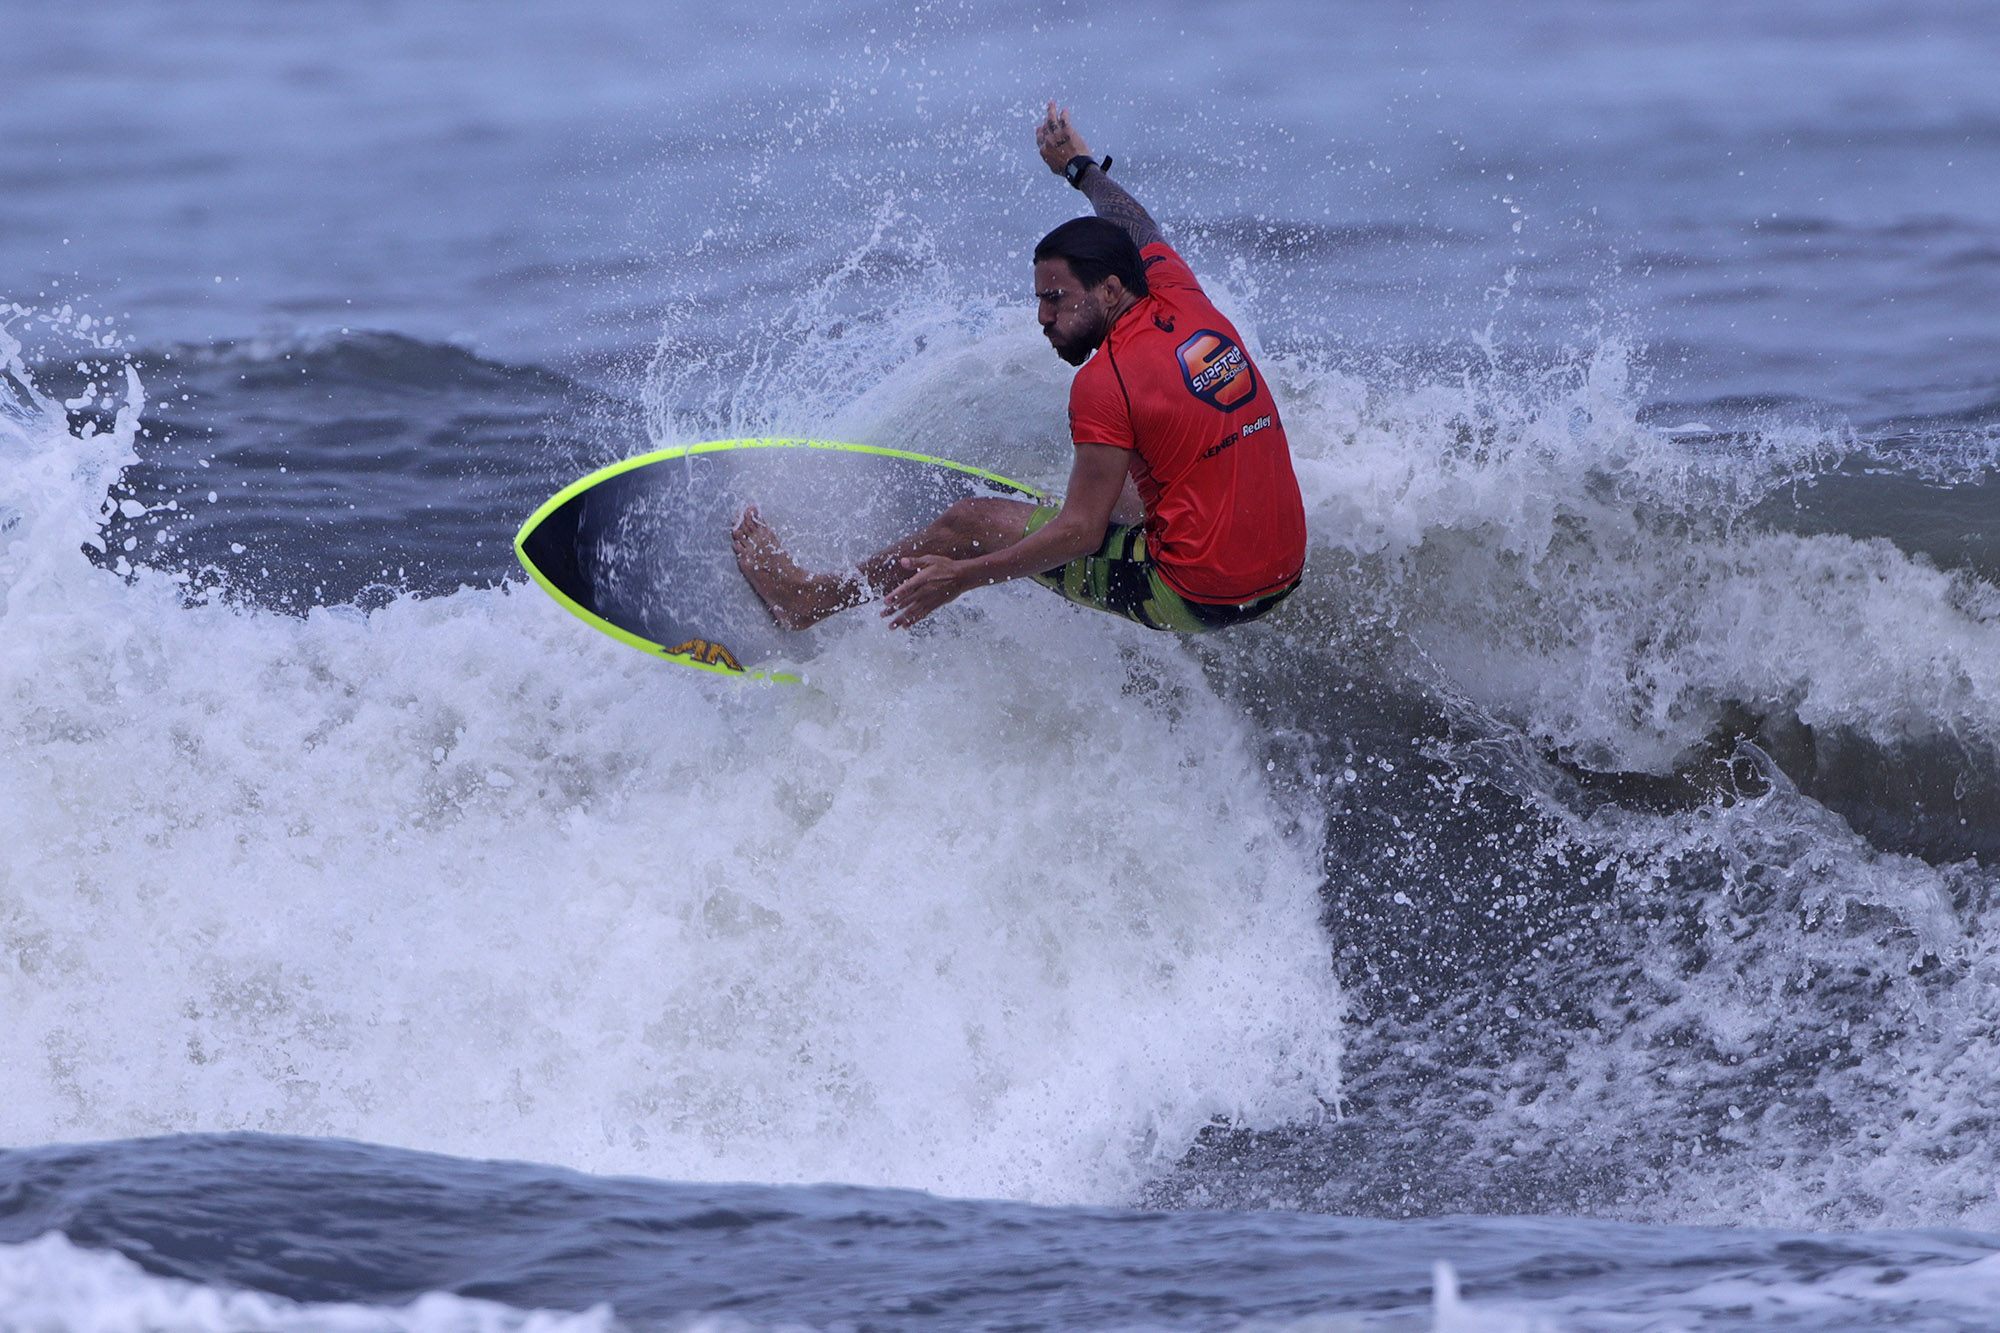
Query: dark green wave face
641,549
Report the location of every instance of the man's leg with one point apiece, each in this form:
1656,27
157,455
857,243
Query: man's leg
799,599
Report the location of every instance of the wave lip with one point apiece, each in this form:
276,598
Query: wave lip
343,469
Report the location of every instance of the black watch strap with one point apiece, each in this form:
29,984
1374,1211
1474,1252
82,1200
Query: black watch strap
1074,169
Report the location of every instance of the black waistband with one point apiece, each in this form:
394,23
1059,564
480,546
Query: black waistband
1216,615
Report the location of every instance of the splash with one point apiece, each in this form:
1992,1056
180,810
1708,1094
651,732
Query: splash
1618,592
55,496
1647,819
1593,741
1562,743
453,875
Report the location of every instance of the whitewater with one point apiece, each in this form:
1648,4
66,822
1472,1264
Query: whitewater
1571,912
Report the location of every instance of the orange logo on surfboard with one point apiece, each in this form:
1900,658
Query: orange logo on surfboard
709,654
1216,370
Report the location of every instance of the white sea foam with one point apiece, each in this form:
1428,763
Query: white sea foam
1523,539
1516,542
999,909
1516,535
1598,583
1002,908
1527,550
51,1286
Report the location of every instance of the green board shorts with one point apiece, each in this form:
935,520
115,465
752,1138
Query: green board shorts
1122,579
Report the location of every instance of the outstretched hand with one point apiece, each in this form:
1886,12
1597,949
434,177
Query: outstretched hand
1058,140
937,580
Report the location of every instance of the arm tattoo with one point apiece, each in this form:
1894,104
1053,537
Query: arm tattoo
1113,204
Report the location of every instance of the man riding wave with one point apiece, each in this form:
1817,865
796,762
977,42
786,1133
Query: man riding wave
1182,510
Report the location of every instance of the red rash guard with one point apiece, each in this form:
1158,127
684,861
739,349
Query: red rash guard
1224,521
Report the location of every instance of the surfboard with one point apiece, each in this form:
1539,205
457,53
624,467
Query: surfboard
641,549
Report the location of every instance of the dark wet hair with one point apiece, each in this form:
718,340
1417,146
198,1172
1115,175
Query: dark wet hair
1096,250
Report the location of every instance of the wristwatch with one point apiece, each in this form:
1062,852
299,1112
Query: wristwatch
1073,170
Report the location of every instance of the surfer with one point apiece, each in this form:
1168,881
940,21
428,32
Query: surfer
1182,511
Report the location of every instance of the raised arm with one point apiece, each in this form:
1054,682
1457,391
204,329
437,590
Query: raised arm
1059,144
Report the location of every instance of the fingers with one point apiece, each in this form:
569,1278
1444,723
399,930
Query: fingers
1056,139
897,597
904,616
1055,125
918,595
898,608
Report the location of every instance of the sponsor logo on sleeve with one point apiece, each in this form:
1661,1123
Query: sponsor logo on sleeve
1216,370
1261,423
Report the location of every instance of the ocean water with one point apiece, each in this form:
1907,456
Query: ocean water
1568,914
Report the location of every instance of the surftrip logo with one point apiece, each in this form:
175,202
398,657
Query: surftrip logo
1216,370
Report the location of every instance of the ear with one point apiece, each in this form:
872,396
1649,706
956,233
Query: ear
1112,289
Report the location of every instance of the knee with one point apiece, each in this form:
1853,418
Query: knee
973,526
965,518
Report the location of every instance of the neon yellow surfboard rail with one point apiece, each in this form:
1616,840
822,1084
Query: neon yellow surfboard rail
699,653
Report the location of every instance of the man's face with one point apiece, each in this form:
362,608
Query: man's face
1074,318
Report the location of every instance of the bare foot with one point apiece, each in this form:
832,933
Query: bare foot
798,599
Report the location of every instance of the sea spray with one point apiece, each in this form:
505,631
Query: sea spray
456,874
1646,822
1574,774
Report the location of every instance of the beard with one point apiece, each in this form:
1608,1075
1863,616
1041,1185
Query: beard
1077,350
